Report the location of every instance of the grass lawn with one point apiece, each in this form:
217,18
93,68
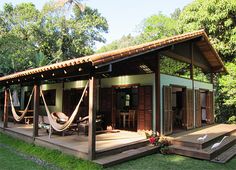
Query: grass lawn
57,158
173,162
10,160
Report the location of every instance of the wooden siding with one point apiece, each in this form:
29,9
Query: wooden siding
198,110
144,116
168,113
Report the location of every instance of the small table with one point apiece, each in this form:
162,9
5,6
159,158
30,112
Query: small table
28,119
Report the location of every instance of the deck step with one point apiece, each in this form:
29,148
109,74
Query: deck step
189,151
225,156
211,139
226,144
206,153
122,148
126,155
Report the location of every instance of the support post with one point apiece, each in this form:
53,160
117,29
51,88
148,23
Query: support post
92,120
193,85
158,94
6,104
36,110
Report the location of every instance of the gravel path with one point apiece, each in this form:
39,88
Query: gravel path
32,158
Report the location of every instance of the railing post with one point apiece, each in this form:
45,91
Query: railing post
6,104
36,109
92,120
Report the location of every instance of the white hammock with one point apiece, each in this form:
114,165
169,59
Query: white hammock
61,127
15,115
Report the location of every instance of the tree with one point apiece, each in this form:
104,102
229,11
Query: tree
153,28
156,27
47,36
218,19
125,41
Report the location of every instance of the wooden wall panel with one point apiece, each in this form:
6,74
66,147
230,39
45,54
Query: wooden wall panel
168,113
198,110
144,114
209,108
105,107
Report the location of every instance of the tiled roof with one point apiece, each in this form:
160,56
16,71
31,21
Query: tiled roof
103,58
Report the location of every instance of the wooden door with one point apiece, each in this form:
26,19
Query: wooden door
144,114
198,110
209,107
188,108
106,105
167,108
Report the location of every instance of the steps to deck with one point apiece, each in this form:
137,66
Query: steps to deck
187,144
126,155
206,153
226,155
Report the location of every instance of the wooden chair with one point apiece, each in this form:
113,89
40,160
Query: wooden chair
83,124
131,118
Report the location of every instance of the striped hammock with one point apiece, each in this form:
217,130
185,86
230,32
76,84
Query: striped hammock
53,122
13,110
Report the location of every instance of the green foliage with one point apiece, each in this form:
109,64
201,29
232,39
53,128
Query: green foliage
218,19
227,85
157,27
174,67
32,38
125,41
232,120
153,28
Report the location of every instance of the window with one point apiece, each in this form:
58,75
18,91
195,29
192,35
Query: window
50,97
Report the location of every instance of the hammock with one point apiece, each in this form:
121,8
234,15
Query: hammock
61,127
15,115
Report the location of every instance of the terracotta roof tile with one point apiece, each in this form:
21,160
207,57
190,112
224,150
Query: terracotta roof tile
106,57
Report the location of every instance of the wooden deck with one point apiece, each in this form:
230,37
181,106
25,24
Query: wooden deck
107,144
187,144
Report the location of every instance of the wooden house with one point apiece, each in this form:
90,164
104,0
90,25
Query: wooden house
166,84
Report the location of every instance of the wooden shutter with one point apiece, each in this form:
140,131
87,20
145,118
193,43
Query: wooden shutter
114,109
209,107
106,104
198,110
144,114
188,109
167,106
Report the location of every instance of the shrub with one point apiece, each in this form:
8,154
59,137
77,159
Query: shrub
232,120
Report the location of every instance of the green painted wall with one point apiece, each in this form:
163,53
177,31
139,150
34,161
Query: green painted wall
143,79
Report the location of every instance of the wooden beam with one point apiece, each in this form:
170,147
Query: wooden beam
158,95
92,120
6,104
193,85
36,110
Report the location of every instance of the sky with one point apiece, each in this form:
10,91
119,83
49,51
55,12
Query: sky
123,16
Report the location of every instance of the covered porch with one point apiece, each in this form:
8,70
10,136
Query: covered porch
75,144
120,83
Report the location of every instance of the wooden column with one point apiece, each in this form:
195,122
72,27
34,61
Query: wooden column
92,119
6,104
158,94
193,86
36,109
